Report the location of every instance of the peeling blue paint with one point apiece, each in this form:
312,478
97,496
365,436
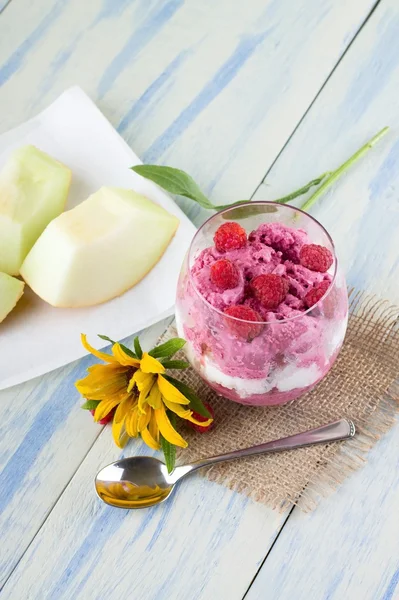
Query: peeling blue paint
17,58
217,84
393,584
151,92
136,42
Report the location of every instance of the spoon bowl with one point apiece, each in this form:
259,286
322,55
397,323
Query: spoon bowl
143,481
134,483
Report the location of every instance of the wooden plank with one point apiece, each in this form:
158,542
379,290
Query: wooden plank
3,4
165,73
349,547
44,439
361,212
188,547
176,69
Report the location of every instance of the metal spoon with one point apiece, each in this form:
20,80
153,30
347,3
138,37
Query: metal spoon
142,481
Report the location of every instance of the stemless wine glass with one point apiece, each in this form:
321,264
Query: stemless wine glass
281,359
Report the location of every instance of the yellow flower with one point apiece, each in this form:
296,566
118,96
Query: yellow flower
141,395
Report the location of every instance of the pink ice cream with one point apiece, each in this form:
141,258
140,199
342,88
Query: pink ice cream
292,349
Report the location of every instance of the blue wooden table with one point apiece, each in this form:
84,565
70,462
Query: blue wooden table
253,99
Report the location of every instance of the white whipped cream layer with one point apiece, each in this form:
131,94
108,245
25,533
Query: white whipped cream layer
285,379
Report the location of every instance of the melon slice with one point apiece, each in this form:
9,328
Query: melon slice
11,290
33,191
99,249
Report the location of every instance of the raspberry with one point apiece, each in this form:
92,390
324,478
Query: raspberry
316,293
316,258
199,417
230,236
224,274
243,330
270,290
107,419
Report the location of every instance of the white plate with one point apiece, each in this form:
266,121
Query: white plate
36,338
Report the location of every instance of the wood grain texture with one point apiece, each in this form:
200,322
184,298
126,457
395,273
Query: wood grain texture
216,90
166,73
349,548
3,4
188,547
44,439
362,211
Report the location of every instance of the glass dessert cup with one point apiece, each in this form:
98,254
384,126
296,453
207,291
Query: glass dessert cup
275,360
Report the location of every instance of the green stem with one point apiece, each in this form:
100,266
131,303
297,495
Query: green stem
344,167
284,199
303,189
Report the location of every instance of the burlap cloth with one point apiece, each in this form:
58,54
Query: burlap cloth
362,386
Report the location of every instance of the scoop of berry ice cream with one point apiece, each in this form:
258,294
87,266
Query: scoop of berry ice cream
273,249
203,281
281,238
251,260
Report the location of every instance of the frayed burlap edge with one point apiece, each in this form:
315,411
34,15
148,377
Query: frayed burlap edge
363,386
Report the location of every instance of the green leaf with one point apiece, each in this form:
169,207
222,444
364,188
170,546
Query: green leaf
90,404
169,450
137,347
174,181
128,351
303,190
106,338
175,364
124,348
168,349
196,403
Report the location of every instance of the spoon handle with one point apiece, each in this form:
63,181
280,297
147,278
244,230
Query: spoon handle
339,430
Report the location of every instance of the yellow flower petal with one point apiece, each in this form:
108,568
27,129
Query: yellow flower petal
154,398
178,409
200,423
145,384
131,420
105,407
123,408
113,390
119,434
144,418
153,427
107,369
167,430
143,399
170,392
148,364
149,440
101,355
142,380
186,414
131,385
99,385
98,374
123,358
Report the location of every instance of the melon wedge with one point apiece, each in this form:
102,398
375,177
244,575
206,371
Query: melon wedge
33,191
99,249
11,290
